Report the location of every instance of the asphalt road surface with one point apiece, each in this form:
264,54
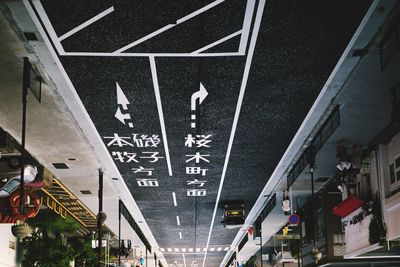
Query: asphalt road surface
189,94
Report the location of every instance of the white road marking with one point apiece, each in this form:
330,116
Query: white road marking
180,236
144,38
121,98
246,25
87,23
160,112
174,199
105,54
184,260
217,42
199,11
178,222
49,27
249,59
167,27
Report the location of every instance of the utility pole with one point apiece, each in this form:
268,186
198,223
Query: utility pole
100,218
119,232
25,84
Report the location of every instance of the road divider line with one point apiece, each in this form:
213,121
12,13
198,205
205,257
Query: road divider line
160,112
174,199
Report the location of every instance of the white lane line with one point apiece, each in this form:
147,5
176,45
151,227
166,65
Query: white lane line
180,235
199,11
101,54
160,112
167,27
48,26
246,25
144,38
178,222
184,260
246,72
87,23
217,42
174,199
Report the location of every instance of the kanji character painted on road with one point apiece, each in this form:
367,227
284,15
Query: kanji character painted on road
197,157
196,170
199,140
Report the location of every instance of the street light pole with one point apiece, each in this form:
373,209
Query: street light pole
311,161
119,233
261,243
25,84
99,216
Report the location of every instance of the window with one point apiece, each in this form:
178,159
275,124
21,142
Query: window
392,176
394,171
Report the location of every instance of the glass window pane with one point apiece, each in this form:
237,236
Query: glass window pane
392,177
398,162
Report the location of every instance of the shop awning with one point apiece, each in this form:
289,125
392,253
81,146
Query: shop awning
347,206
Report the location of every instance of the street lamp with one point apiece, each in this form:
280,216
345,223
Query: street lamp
21,229
316,254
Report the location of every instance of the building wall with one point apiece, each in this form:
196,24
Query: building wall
7,240
392,202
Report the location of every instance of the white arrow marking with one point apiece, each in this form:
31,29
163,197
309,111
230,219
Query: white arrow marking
122,117
201,95
121,98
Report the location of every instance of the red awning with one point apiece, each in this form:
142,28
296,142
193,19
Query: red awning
347,206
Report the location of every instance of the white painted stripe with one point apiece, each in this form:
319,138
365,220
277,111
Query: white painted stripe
162,249
190,249
183,249
101,54
226,248
48,26
184,260
175,253
174,199
144,38
212,249
199,11
176,249
237,113
219,249
160,112
217,42
169,249
180,236
87,23
167,27
246,25
178,222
